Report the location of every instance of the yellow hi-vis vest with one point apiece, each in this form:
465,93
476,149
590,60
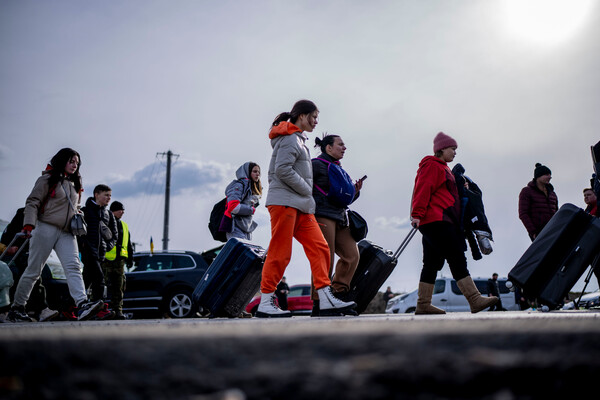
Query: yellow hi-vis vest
112,254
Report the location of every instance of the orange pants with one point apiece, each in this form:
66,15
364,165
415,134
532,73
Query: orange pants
288,223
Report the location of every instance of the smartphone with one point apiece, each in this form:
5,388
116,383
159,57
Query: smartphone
363,178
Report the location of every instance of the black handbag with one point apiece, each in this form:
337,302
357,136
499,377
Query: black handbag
358,226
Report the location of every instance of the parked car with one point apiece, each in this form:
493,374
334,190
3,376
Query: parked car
299,301
163,282
447,296
588,301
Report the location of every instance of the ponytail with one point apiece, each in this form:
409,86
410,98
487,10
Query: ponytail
327,140
284,116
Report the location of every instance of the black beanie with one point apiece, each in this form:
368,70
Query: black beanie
116,206
540,170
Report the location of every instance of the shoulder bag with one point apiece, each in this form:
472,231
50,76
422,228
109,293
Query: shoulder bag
358,226
78,226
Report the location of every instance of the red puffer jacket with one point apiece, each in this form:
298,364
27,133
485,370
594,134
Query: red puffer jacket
535,208
435,196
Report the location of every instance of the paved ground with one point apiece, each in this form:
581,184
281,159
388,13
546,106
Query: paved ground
503,355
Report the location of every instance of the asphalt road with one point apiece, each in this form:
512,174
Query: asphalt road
490,355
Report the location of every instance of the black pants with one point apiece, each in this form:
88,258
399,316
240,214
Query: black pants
93,275
442,241
282,300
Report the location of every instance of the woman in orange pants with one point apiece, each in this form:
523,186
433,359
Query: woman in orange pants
291,206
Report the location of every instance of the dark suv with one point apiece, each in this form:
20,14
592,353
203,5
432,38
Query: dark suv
164,282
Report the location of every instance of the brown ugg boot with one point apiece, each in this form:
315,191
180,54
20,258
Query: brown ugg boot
476,301
424,301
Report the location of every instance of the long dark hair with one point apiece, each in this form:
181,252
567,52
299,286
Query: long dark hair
255,186
57,168
326,140
301,107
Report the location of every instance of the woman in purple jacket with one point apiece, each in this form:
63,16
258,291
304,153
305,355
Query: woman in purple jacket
537,201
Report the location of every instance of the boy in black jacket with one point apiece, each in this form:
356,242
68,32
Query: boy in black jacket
101,237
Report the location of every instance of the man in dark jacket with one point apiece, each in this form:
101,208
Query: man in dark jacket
282,293
101,236
493,290
537,201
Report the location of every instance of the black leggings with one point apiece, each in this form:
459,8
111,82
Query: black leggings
442,241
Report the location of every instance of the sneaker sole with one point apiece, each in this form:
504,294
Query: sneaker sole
89,313
260,314
50,317
335,311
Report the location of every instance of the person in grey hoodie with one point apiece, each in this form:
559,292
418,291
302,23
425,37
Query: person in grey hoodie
243,196
292,207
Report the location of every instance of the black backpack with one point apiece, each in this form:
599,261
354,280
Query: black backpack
214,223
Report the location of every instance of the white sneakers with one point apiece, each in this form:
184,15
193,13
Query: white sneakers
269,309
328,303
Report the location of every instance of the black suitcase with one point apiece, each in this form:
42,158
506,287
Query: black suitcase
573,267
558,256
231,280
374,268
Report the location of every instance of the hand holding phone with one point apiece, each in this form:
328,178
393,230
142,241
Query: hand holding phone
359,183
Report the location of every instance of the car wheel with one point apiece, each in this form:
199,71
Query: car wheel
410,310
253,311
180,304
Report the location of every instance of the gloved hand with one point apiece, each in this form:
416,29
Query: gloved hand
484,240
27,230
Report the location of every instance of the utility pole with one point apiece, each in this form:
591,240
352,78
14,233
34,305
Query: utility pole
165,240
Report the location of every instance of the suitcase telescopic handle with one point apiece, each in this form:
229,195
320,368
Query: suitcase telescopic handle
405,243
17,236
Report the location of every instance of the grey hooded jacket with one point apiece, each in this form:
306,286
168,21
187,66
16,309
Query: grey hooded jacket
240,190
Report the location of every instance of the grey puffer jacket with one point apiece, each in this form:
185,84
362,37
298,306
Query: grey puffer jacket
290,169
240,200
51,206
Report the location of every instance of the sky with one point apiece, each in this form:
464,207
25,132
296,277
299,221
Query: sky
123,82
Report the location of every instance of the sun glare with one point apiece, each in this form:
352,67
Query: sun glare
546,21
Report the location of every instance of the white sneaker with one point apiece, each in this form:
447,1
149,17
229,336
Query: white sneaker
328,303
47,314
269,309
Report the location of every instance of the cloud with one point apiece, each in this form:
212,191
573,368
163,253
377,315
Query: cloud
186,176
392,223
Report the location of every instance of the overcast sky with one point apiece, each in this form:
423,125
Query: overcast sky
121,82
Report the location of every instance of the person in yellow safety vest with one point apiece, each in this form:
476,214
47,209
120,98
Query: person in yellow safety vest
115,260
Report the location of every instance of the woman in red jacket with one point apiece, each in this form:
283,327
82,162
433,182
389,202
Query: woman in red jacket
435,211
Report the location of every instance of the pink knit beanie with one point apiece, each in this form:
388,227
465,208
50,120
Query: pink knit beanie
441,141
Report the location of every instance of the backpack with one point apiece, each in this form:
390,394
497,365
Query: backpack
216,217
341,188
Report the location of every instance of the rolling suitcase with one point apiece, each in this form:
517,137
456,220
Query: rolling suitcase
558,256
231,280
573,267
374,268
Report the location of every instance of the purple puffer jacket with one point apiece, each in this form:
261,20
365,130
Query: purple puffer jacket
535,208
